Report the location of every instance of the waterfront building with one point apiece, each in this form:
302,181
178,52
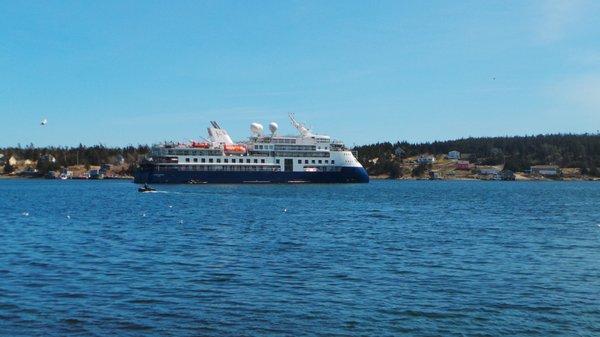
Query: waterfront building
486,170
454,155
463,165
545,170
425,159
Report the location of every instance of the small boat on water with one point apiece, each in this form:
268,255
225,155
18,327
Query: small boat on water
146,189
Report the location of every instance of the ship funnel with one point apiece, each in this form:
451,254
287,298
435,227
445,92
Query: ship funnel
273,127
256,128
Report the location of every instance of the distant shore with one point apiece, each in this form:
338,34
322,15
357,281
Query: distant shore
18,177
518,178
376,178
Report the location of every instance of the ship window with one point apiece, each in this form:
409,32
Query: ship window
226,160
187,160
233,160
210,160
333,161
326,161
195,160
276,161
247,160
320,161
203,160
218,160
299,161
255,161
262,161
312,161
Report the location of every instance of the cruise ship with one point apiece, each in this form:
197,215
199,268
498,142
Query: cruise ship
271,158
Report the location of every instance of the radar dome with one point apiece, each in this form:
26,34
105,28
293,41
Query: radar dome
273,127
256,128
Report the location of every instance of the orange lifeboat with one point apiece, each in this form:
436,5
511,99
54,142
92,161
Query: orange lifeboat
200,145
234,148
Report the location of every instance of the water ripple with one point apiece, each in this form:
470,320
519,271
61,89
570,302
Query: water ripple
383,259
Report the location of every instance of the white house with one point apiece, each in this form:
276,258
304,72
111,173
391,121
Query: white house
425,159
399,152
545,170
119,160
48,158
487,170
454,155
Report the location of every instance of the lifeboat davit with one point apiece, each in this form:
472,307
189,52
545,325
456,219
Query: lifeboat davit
200,145
234,148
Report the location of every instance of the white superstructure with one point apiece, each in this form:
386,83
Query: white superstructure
304,153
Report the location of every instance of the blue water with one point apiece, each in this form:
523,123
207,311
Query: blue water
380,259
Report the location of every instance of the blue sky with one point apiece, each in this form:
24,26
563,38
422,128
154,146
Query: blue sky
127,72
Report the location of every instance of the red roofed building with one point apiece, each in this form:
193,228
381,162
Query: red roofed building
463,165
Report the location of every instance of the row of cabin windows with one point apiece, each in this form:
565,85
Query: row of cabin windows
283,140
313,161
248,160
321,154
295,148
226,160
270,168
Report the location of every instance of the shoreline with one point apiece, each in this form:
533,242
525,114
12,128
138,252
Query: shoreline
377,178
374,178
16,177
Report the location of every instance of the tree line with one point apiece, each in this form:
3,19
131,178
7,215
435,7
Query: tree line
517,153
79,155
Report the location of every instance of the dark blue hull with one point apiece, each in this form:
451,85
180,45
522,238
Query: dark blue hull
345,175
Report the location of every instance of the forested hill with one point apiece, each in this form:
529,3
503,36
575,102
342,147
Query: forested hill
82,155
517,153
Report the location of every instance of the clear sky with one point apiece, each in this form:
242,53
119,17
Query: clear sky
123,72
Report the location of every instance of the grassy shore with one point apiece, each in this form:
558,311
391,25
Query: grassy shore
446,169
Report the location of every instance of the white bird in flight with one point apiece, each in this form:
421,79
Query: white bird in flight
44,122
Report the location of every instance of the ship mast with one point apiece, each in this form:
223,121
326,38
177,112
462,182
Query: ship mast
304,131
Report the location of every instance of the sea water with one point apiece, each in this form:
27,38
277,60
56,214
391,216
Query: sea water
381,259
